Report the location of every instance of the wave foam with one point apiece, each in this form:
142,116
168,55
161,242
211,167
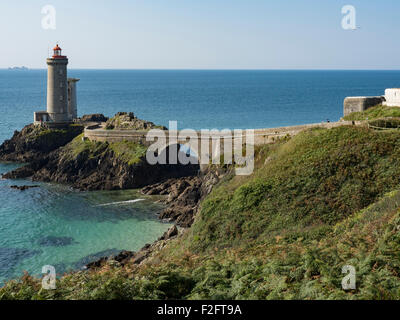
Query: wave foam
119,202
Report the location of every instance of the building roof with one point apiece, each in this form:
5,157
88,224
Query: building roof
57,55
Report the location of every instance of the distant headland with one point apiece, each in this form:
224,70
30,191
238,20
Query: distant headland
18,68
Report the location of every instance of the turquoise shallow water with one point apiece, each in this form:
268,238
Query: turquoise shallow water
55,225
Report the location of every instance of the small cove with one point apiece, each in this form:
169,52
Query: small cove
56,225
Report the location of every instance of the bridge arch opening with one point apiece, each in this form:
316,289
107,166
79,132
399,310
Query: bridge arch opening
181,160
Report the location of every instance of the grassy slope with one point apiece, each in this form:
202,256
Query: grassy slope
127,151
374,113
323,199
318,178
49,139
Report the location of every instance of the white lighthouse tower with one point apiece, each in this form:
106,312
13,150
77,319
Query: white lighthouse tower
61,92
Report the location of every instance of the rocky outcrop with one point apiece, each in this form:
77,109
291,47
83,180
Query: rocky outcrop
185,195
35,142
125,120
170,234
95,117
122,258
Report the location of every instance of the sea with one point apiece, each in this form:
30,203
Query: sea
56,225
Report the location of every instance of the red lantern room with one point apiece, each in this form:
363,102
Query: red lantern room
57,52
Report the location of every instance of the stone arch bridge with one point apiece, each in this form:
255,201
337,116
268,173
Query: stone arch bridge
205,145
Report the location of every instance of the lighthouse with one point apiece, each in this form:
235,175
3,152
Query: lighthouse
57,87
61,92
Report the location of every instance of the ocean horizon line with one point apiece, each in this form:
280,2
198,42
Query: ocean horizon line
194,69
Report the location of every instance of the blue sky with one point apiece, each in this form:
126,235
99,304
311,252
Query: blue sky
203,34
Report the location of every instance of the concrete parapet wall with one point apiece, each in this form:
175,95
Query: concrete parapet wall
116,135
359,104
265,136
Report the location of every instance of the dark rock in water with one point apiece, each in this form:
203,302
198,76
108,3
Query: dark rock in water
52,241
25,171
96,256
11,257
96,117
23,188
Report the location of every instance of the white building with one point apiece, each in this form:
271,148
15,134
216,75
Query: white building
392,97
